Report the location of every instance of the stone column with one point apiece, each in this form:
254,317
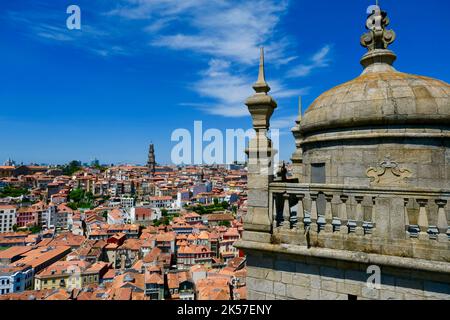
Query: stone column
257,222
442,223
397,218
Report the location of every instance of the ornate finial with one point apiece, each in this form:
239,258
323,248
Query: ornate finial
378,36
261,85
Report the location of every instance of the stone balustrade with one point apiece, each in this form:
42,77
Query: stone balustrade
374,219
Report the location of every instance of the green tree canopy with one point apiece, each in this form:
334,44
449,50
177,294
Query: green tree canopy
10,191
72,167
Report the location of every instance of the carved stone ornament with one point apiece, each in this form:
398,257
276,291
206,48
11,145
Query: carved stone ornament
388,173
378,37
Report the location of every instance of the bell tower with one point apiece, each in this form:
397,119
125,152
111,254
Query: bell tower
151,163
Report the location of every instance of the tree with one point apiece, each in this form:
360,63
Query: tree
225,223
76,195
15,228
35,229
225,205
72,167
100,167
14,192
72,205
164,212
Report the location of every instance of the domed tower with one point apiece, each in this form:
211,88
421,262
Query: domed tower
372,200
384,128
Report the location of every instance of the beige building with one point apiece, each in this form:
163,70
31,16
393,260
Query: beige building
68,274
366,215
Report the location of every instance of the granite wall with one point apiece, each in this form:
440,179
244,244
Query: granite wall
307,278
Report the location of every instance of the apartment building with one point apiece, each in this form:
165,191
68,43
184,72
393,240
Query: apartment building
15,278
7,218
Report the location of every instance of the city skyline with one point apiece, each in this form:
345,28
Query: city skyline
134,74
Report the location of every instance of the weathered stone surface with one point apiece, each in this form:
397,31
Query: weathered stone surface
264,286
391,295
297,292
286,277
301,280
329,285
279,289
256,236
253,295
370,293
274,275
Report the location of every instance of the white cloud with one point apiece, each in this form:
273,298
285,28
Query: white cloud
217,28
283,122
228,91
228,34
319,60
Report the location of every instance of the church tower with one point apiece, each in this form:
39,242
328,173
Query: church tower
151,163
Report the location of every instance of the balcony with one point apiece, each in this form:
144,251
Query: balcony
388,221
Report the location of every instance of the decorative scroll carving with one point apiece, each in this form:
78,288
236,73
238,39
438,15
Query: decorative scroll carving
388,173
378,36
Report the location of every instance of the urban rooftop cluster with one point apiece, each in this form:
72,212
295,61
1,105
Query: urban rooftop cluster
125,232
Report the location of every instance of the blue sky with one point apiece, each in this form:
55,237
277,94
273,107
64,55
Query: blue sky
139,69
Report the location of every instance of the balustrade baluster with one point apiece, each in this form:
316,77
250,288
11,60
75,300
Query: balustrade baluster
343,215
359,216
274,211
373,214
406,218
300,225
328,214
314,216
286,212
442,222
423,219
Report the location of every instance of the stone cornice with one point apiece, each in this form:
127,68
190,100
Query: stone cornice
359,257
359,134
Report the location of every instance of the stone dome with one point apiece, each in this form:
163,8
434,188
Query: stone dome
381,95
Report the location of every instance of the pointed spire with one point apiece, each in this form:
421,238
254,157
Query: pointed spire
261,74
261,85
